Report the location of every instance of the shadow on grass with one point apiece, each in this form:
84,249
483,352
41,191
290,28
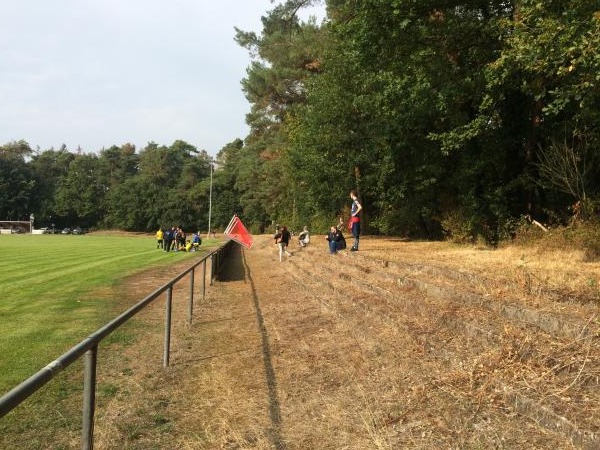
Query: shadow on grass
274,409
237,269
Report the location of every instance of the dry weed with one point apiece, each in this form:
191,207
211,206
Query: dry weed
292,356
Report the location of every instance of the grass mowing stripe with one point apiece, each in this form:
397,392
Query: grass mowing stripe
67,269
49,292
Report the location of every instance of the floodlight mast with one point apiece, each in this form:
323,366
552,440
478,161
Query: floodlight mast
210,197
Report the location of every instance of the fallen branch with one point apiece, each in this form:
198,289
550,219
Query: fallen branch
535,222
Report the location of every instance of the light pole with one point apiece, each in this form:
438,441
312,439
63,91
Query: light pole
210,197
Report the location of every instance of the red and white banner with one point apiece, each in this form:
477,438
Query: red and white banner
238,232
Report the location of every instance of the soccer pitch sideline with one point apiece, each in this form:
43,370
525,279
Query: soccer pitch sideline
52,292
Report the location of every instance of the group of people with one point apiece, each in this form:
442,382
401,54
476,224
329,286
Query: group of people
175,239
335,236
283,236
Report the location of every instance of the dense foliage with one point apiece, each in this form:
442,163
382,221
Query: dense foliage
116,188
451,118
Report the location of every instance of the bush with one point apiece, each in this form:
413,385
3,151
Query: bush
584,236
456,228
587,237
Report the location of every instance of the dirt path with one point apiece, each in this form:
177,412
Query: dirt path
401,345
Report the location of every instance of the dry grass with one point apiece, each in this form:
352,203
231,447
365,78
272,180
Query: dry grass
305,355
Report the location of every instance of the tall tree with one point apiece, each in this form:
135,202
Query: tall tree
16,184
397,73
118,164
286,54
549,63
48,169
81,195
161,193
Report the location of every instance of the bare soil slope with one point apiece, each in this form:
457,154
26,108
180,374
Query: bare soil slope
401,345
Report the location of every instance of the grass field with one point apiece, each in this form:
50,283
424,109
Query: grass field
55,290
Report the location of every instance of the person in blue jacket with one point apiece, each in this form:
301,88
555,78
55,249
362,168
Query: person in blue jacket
336,240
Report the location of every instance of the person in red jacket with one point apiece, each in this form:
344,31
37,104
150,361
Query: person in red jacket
354,225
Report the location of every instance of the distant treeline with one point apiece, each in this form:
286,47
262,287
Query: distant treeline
116,188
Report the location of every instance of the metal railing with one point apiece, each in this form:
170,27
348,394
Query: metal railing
88,348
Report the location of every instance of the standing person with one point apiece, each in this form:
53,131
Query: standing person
355,211
176,237
181,238
282,239
336,240
159,238
168,239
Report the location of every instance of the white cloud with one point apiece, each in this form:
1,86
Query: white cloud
97,73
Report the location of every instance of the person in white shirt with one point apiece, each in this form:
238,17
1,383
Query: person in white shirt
304,237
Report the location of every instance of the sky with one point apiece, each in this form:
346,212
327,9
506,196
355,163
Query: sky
91,74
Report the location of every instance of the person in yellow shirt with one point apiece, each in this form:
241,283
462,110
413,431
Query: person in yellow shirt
159,238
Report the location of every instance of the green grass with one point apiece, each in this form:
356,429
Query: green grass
51,292
54,291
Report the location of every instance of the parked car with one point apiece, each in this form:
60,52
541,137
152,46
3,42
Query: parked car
77,230
66,231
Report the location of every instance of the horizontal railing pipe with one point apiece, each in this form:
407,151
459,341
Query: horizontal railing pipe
89,345
19,393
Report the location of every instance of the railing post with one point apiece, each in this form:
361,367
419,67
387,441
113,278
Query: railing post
89,398
88,350
168,326
191,299
204,280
